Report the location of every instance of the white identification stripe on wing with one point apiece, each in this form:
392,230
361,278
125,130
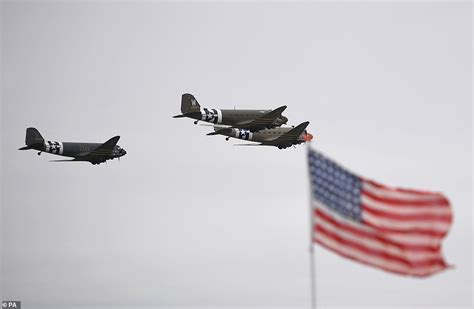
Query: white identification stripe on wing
391,193
375,260
384,223
376,244
406,209
419,240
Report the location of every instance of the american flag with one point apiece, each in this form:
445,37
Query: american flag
397,230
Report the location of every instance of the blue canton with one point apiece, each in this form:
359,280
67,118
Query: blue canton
335,187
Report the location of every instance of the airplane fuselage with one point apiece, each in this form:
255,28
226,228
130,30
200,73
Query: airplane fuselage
232,117
71,149
66,149
94,153
252,119
261,136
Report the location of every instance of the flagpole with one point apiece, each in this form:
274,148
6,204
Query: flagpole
313,284
312,266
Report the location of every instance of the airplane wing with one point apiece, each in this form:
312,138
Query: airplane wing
288,139
263,121
101,153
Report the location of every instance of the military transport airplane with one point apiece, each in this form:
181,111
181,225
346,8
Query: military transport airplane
94,153
282,137
253,120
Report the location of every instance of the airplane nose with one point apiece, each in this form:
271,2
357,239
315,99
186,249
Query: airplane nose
285,120
124,152
308,137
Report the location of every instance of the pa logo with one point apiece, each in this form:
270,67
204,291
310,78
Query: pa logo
11,304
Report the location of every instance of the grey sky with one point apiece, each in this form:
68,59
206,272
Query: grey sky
190,220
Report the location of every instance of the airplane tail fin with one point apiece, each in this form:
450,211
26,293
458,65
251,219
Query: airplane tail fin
33,137
189,104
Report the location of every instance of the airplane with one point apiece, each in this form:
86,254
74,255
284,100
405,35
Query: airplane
253,120
281,137
94,153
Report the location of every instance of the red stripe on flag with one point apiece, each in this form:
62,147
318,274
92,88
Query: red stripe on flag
374,235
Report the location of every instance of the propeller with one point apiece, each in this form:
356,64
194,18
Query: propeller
308,137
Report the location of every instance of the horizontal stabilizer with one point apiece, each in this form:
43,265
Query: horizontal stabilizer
218,126
221,131
37,146
194,115
250,145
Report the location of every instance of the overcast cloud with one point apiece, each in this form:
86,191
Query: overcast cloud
187,219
